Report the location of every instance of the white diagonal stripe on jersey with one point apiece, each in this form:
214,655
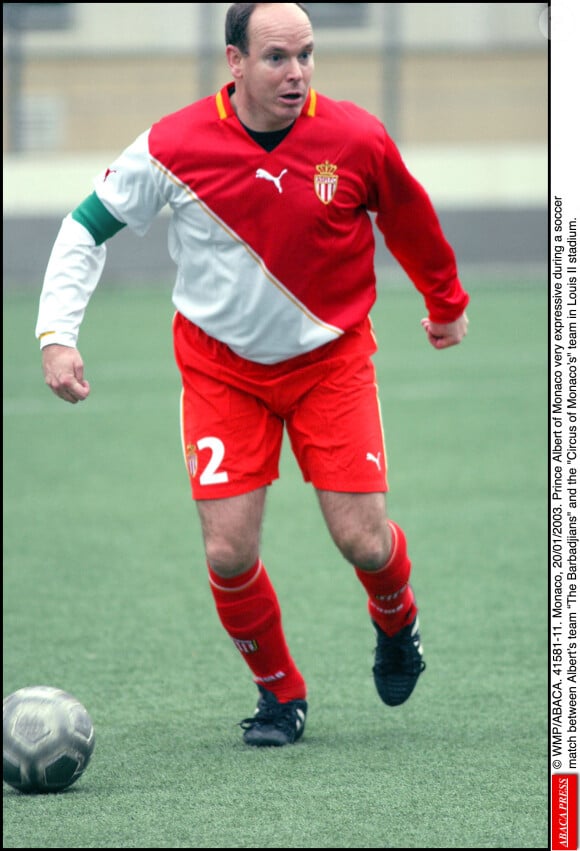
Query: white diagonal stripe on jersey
261,320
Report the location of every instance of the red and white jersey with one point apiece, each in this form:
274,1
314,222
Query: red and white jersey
275,250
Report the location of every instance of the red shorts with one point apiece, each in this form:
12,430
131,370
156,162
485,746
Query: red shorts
234,412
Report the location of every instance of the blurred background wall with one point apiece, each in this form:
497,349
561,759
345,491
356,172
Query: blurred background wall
461,87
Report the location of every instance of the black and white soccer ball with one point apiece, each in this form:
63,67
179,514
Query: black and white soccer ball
48,739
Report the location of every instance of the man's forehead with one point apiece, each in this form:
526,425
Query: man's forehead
278,26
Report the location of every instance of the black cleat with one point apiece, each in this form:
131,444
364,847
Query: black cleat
273,723
398,663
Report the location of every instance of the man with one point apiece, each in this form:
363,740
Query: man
271,186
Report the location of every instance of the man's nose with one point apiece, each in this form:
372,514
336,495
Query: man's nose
294,70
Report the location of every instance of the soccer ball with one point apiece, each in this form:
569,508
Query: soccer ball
48,739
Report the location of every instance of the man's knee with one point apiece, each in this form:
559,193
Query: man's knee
229,558
231,532
366,552
359,527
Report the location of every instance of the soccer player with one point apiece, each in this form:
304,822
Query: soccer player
272,187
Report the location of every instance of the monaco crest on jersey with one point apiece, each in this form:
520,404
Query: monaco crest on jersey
325,181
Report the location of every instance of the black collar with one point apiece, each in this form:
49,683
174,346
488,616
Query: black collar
269,139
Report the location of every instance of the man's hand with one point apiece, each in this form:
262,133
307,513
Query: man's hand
444,336
63,372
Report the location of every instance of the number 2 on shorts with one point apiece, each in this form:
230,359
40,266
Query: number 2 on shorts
211,475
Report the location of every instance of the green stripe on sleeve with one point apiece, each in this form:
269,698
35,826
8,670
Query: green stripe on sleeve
92,215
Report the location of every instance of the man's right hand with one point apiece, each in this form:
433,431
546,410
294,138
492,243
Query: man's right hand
63,372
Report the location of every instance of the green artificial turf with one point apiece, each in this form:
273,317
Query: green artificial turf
106,596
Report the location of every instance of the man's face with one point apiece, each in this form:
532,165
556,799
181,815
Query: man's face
273,80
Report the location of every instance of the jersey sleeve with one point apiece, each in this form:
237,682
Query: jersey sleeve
131,187
127,193
74,268
97,219
412,232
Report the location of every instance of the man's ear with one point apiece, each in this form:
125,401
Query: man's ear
234,59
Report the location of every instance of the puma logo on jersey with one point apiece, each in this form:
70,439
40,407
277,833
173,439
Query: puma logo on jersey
376,459
261,172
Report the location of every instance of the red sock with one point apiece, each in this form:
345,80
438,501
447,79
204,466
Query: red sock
391,600
248,608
